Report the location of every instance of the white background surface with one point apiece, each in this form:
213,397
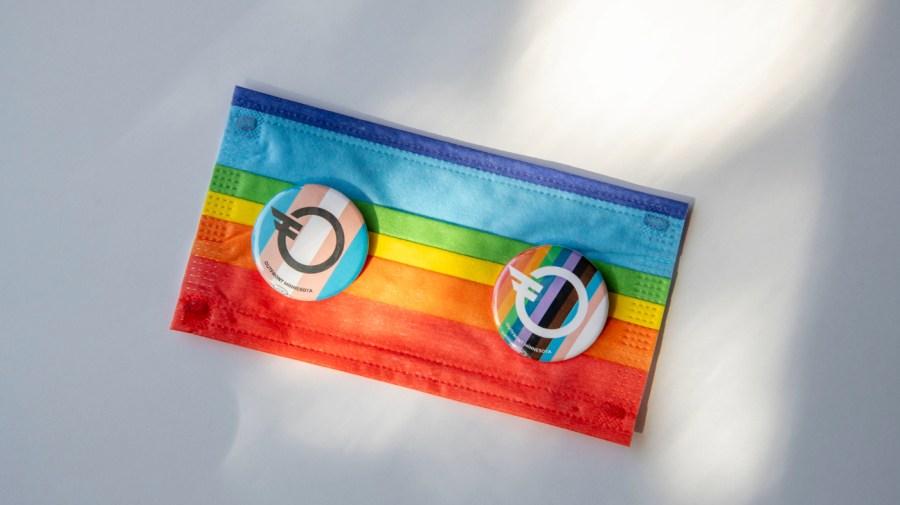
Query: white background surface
777,380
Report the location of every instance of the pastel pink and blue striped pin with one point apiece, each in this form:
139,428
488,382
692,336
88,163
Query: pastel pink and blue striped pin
310,242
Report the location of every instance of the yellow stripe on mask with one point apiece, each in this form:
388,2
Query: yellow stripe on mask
229,208
633,310
621,307
436,260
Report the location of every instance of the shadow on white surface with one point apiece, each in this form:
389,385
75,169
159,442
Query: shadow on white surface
776,380
846,348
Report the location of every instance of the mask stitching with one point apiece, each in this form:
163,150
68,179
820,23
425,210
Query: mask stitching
653,283
508,379
408,146
610,423
412,157
212,278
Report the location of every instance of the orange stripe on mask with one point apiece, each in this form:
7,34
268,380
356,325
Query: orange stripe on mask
428,353
424,291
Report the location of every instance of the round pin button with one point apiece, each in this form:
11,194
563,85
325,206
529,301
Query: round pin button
310,242
550,303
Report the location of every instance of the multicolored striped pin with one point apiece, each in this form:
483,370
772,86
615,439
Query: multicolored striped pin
310,242
550,303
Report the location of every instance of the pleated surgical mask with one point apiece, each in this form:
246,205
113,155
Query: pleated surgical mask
415,303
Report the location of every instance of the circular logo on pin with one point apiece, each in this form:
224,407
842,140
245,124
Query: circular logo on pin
550,303
310,242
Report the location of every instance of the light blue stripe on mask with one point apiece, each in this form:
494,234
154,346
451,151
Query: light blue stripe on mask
295,152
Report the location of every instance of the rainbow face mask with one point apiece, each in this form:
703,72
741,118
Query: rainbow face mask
442,222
